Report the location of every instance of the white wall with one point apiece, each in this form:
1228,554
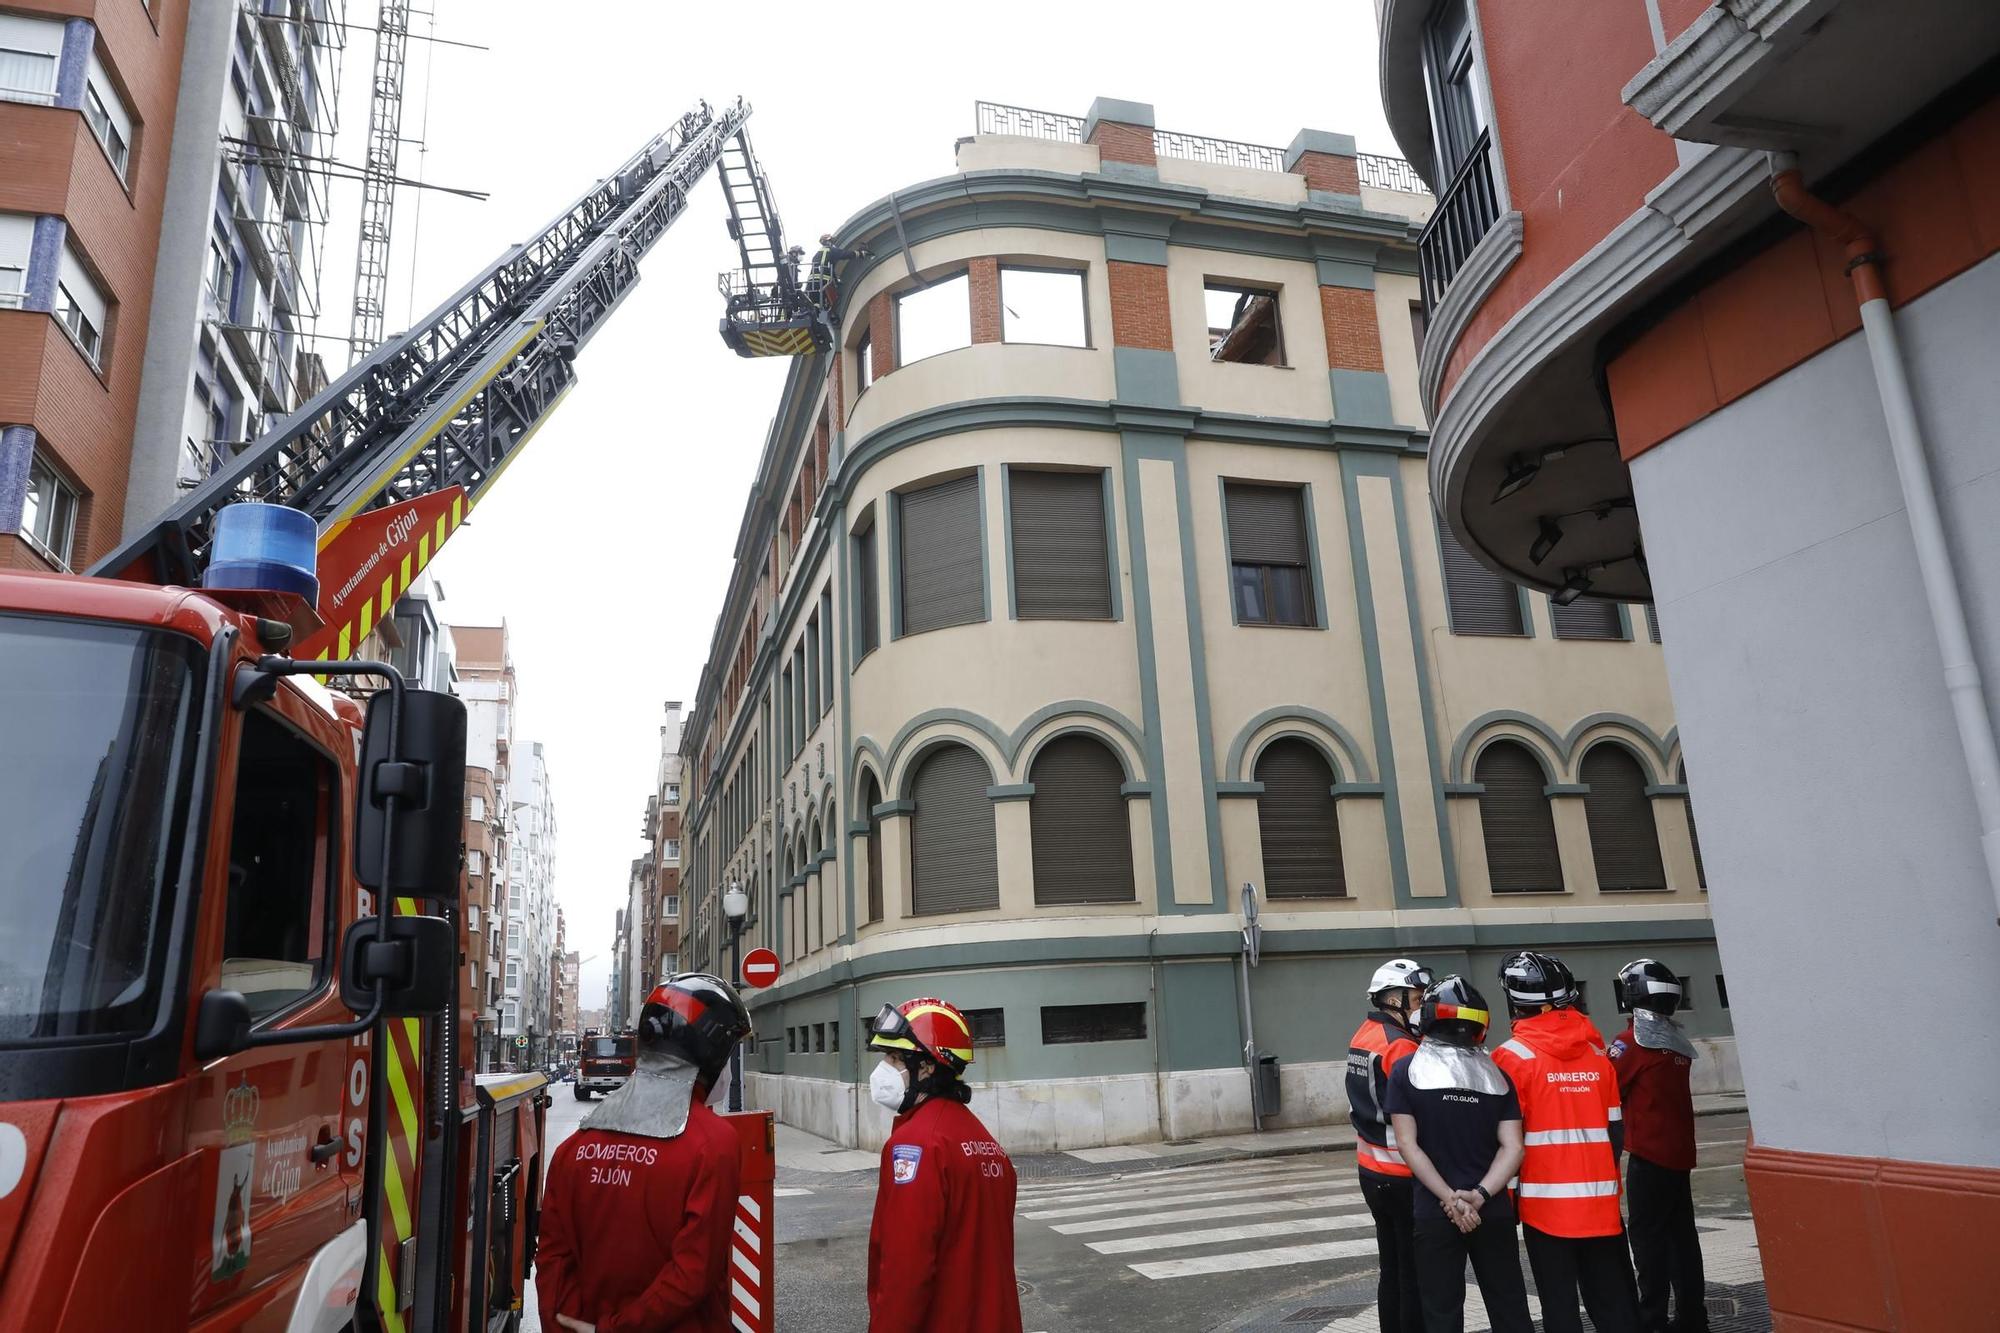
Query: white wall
1837,830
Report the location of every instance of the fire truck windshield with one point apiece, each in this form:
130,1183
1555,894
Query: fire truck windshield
97,726
612,1048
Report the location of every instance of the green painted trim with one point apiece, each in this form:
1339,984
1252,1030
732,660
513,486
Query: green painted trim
1351,942
1007,533
1565,744
1357,274
1071,707
822,858
890,557
1015,791
1113,566
1149,680
1351,471
985,552
1122,248
1146,376
1239,761
899,807
1403,260
1624,622
1667,789
1567,789
1346,789
1136,790
1235,789
1360,397
857,828
1464,789
1427,710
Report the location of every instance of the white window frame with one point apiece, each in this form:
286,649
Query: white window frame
17,248
670,907
478,809
109,119
48,514
474,862
32,39
77,297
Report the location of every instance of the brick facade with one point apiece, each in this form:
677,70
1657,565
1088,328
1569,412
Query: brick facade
1330,172
1125,143
1353,338
882,334
985,299
1139,315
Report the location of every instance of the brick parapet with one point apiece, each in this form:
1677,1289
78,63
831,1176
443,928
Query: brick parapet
1140,315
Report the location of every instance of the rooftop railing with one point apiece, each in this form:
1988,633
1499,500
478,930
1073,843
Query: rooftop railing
1377,171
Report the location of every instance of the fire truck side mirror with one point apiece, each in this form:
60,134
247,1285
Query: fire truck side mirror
427,776
415,970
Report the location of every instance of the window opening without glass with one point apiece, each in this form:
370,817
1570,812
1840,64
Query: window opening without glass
1042,305
933,319
1243,324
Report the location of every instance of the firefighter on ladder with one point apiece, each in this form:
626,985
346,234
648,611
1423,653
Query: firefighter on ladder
941,1246
641,1200
1385,1037
1573,1132
822,285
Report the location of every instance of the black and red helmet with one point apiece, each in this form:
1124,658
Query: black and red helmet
697,1017
1456,1012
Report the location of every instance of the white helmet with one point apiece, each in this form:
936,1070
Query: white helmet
1399,972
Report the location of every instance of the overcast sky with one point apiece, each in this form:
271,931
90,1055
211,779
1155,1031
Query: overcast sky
607,547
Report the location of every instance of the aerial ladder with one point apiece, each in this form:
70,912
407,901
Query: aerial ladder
358,1173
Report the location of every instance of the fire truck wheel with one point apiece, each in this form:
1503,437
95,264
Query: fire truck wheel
583,1094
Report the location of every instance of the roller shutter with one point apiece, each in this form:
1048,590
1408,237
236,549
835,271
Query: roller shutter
1298,824
1586,618
1624,841
1478,600
1061,560
952,864
1082,836
941,566
1520,830
868,629
1266,524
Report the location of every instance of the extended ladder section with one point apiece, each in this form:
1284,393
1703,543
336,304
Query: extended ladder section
450,401
766,312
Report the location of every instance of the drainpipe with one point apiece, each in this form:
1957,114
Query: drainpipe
1906,445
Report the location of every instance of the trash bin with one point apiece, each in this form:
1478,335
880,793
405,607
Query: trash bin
1267,1084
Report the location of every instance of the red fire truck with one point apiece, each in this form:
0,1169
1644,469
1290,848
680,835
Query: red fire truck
604,1062
231,1086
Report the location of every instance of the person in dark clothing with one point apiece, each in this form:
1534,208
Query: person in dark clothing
1654,1060
1458,1126
822,285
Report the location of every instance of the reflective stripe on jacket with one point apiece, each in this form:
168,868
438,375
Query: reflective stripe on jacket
1378,1044
1569,1103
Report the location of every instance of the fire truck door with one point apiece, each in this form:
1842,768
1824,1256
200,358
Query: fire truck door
275,1119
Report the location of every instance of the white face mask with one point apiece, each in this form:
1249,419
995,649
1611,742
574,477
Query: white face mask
888,1085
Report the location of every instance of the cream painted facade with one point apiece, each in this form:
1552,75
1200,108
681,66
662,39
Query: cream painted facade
1186,699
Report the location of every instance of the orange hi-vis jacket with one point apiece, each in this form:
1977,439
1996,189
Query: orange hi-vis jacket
1570,1118
1378,1044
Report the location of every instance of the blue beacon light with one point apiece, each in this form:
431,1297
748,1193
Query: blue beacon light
266,547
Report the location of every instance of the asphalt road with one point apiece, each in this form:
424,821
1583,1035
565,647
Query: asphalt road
1225,1244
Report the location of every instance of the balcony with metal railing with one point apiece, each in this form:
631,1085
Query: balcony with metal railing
1465,213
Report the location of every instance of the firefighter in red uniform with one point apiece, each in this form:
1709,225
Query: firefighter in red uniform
1570,1112
941,1249
1386,1036
1654,1058
641,1200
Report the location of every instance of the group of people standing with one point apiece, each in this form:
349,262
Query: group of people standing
1456,1146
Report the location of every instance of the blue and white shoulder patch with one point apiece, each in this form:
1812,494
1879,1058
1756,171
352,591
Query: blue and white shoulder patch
903,1162
1616,1049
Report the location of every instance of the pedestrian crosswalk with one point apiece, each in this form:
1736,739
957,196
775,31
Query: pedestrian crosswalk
1271,1213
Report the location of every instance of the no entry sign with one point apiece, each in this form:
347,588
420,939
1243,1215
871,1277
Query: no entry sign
760,968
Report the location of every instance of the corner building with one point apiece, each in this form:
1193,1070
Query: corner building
1623,321
1094,578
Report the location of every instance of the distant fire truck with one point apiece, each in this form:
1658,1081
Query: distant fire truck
605,1062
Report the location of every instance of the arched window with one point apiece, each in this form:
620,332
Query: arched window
1694,838
1514,815
1297,823
871,796
808,930
1624,841
952,863
1081,834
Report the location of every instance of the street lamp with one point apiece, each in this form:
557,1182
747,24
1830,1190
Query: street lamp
735,906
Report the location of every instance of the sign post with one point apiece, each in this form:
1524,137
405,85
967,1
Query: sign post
1253,938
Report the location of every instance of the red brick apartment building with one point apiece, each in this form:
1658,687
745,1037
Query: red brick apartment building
1710,293
87,95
